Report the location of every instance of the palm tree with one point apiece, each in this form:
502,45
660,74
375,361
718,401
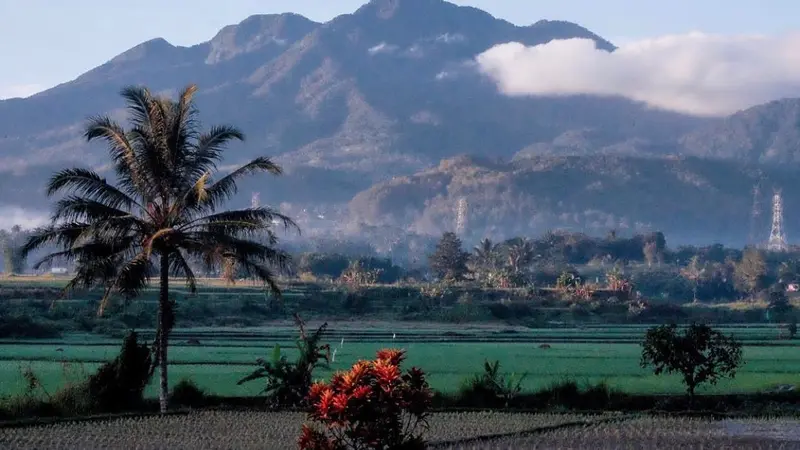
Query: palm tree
520,255
486,254
162,211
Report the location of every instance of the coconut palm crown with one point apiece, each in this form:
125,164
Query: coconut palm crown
162,212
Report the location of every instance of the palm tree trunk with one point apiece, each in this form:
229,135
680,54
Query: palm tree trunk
163,306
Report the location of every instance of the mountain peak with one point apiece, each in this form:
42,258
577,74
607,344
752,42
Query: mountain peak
418,9
256,32
154,48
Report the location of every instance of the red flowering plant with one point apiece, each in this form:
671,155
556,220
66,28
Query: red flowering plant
372,406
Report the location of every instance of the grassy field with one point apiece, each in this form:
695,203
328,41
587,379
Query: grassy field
245,430
448,355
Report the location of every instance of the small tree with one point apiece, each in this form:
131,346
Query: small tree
449,261
357,275
119,384
699,354
750,273
694,273
778,307
288,383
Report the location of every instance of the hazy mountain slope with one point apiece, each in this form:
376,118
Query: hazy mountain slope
691,199
389,89
768,133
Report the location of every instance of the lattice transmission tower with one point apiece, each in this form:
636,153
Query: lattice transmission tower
777,236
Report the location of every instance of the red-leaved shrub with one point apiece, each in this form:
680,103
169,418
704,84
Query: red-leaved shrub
372,406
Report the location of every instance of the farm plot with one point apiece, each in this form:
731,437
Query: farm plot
246,430
259,430
217,361
660,433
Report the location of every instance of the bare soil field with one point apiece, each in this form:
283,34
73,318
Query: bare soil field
263,430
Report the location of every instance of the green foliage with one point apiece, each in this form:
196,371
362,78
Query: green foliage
792,328
14,260
789,271
491,387
449,261
699,354
778,307
287,383
751,272
187,393
357,275
323,264
25,326
119,384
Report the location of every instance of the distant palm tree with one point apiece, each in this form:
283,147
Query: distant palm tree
520,254
485,254
161,213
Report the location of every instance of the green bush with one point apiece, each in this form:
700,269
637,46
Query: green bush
25,326
491,388
288,383
119,385
187,393
569,394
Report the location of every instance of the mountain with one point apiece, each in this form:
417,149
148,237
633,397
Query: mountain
387,90
768,133
692,200
358,104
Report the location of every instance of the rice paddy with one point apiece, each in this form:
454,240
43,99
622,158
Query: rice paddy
216,358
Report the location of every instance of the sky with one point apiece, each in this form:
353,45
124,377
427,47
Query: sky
46,42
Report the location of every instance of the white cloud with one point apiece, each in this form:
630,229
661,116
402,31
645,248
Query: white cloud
694,73
383,47
11,215
19,90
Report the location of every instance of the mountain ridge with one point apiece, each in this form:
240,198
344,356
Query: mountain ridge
388,91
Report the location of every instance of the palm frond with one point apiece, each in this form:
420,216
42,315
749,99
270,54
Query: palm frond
209,147
138,100
240,221
261,272
63,235
90,184
225,187
180,267
89,251
149,157
134,275
183,127
208,244
121,150
79,209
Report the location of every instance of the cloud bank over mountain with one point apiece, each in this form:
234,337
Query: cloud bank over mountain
696,73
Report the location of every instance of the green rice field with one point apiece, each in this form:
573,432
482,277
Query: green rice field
215,358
